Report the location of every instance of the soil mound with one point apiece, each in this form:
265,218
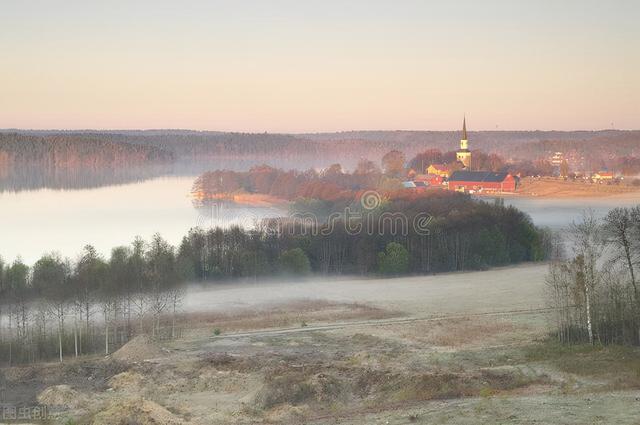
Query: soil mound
126,381
136,411
138,349
62,396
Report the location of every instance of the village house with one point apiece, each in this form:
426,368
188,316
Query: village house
603,177
439,170
557,158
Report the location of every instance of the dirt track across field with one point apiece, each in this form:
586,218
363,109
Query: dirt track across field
375,322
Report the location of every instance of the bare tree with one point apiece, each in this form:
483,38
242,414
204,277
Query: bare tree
51,277
162,274
558,283
139,279
586,237
176,295
619,233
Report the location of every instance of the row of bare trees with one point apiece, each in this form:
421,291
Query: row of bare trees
72,307
594,292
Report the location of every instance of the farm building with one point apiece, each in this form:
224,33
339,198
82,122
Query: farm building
602,176
481,181
430,179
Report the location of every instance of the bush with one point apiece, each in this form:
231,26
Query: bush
294,261
394,261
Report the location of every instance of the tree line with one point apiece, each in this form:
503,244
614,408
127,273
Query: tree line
595,292
87,150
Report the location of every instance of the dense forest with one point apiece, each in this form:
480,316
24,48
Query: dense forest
58,307
78,161
76,150
68,157
204,145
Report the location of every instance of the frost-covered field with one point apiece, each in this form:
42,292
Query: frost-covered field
503,289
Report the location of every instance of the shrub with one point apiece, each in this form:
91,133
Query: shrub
394,261
294,261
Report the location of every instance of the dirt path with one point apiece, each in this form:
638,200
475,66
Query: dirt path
379,322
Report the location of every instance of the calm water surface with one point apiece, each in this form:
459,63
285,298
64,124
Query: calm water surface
36,222
560,213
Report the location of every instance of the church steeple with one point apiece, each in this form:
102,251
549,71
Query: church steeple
464,128
463,155
464,145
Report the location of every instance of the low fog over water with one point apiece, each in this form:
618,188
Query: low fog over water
560,213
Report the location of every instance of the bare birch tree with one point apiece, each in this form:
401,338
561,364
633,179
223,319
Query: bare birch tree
586,237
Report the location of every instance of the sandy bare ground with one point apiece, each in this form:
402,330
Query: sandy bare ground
461,348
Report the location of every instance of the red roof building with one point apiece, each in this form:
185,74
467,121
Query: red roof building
482,182
430,179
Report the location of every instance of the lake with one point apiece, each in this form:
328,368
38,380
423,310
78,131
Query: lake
36,222
559,213
44,220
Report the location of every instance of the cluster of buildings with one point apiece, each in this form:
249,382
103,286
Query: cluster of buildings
460,178
564,163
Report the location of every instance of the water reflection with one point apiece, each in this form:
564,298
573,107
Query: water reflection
33,177
216,213
36,222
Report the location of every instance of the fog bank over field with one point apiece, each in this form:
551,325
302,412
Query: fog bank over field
500,289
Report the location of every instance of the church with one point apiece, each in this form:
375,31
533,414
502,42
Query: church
477,181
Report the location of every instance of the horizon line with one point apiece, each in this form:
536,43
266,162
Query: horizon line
116,130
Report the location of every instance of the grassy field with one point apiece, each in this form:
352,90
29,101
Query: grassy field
548,187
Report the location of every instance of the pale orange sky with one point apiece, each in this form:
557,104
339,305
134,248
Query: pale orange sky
291,66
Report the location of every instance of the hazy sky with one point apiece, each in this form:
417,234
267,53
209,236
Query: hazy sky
302,65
